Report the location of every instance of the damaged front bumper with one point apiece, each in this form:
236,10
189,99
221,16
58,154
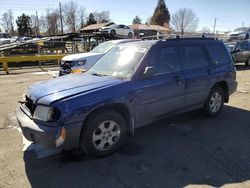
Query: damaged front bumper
61,137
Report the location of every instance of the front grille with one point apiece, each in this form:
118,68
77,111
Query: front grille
29,104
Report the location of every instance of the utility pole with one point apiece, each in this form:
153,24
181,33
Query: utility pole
215,20
243,24
37,24
61,20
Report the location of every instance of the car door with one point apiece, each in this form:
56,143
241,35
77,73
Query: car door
240,52
164,91
120,30
127,30
197,73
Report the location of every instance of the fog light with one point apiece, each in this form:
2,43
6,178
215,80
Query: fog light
61,136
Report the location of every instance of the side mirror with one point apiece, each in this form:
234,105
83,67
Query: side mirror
149,72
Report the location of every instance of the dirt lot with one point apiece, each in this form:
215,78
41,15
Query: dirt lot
187,150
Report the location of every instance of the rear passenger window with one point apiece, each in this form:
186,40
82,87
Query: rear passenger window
166,60
218,53
194,56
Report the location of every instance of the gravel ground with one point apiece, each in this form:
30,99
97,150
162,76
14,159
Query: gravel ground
187,150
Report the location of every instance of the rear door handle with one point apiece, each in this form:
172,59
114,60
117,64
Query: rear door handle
178,79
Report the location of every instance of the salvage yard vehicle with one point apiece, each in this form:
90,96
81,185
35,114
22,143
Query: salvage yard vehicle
81,62
239,33
241,52
120,30
130,86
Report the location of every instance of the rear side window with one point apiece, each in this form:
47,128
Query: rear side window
218,53
194,56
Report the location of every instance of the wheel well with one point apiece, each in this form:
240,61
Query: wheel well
118,107
224,86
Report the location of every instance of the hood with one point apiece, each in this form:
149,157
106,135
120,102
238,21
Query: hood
80,56
49,91
236,33
108,27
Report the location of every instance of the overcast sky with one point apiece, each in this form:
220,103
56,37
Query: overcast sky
230,14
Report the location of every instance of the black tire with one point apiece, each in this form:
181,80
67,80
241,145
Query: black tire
247,36
87,142
113,33
213,110
247,63
130,35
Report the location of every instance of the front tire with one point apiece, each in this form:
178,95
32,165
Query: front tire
130,35
113,33
104,134
215,102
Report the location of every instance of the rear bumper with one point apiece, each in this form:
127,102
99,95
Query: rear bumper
47,136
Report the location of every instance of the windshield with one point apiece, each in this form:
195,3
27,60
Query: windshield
104,47
120,62
241,29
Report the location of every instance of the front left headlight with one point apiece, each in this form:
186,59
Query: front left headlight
46,113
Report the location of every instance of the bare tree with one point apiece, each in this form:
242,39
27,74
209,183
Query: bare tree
8,21
102,17
184,20
35,24
71,15
43,24
205,30
52,22
82,17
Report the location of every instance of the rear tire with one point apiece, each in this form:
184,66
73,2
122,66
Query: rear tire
247,63
247,36
103,134
215,102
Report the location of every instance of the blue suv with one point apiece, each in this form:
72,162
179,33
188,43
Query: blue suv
130,86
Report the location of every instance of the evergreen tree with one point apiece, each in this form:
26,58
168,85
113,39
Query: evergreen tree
24,25
161,14
137,20
91,19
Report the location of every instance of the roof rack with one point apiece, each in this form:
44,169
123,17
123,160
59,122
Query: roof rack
176,36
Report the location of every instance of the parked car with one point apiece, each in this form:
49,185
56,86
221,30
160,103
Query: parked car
120,30
241,52
4,38
81,62
239,33
230,46
131,85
